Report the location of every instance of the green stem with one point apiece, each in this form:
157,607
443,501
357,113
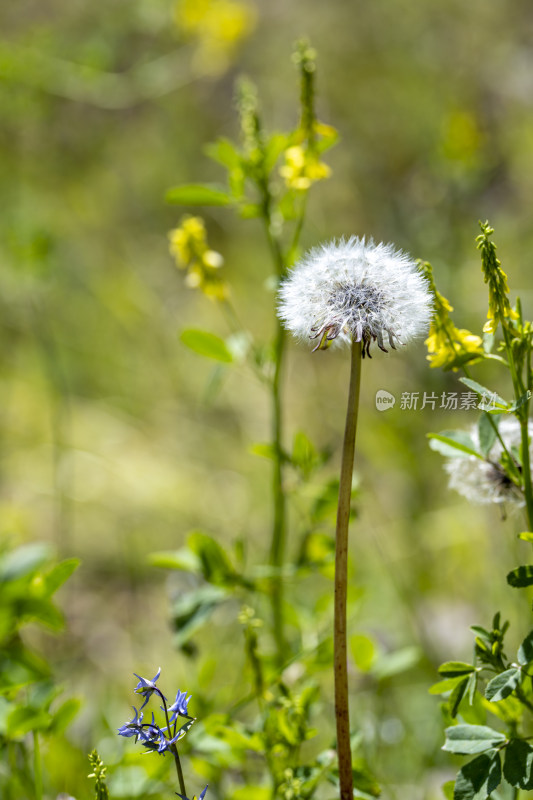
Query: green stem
526,468
278,543
519,391
173,747
37,771
342,713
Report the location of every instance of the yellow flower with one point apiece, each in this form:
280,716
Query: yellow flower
499,307
302,168
188,245
448,347
217,26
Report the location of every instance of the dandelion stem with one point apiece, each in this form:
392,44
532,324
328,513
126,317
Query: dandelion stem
341,580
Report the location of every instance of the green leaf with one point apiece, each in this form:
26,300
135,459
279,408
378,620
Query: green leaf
216,566
191,610
526,536
453,443
364,782
503,685
456,696
521,401
525,651
363,651
471,687
489,400
521,577
264,450
248,791
224,152
64,715
41,610
479,778
317,550
22,720
183,559
469,739
518,765
452,669
394,663
304,455
447,789
447,685
487,433
23,561
206,344
483,632
198,194
57,576
274,147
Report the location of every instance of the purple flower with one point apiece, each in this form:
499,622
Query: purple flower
202,795
146,687
133,728
179,708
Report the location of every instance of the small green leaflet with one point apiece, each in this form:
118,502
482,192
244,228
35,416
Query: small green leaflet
525,651
490,401
479,778
518,766
206,344
452,669
457,444
198,194
487,432
521,577
469,739
503,685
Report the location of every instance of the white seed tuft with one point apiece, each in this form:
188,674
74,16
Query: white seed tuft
354,290
485,481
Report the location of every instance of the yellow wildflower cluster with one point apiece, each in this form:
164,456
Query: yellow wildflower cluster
302,165
302,168
448,347
217,26
188,245
499,306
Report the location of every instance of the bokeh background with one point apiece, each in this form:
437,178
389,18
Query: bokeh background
113,444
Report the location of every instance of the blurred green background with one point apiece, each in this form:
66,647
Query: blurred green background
110,445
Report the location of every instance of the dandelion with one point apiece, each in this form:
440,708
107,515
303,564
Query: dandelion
355,290
489,481
352,292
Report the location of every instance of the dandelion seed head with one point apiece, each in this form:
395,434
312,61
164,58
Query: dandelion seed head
486,481
353,289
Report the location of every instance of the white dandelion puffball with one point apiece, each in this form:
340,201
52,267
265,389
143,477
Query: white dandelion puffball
485,481
355,290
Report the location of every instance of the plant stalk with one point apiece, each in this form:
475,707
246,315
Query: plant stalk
277,550
342,713
37,771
